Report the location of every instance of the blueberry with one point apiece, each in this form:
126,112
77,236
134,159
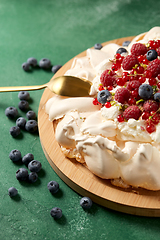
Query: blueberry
11,112
32,61
34,166
145,91
27,158
86,203
121,50
56,213
98,46
31,126
12,191
151,55
22,174
31,115
53,186
26,66
23,105
33,177
23,95
45,63
103,96
55,68
157,96
126,43
15,131
21,122
15,155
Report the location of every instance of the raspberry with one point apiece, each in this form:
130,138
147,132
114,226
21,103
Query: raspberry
154,67
132,112
133,85
150,105
129,62
108,78
158,51
138,49
122,95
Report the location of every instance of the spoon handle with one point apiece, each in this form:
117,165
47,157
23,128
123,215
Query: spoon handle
22,88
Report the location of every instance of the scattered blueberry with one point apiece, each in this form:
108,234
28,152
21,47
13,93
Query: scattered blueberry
31,115
45,63
145,91
22,174
33,177
12,191
15,131
55,68
56,213
121,50
31,126
157,96
151,55
23,95
21,122
126,43
103,96
11,112
86,203
34,166
15,155
32,61
23,105
27,158
53,186
98,46
26,66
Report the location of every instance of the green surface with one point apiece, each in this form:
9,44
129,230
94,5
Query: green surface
59,30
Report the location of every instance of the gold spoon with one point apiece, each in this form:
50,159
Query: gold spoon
64,85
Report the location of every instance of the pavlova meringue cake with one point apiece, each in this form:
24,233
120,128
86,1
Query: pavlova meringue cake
116,131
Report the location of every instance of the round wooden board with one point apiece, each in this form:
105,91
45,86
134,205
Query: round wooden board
79,178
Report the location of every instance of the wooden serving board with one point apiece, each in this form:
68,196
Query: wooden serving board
79,178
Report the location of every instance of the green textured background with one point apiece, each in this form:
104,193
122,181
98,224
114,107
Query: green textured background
59,30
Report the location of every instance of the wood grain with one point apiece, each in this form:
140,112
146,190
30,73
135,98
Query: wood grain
79,178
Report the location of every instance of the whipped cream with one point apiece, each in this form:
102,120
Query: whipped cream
110,149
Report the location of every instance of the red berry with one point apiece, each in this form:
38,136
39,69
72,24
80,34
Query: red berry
129,62
132,112
154,67
150,127
155,118
141,79
107,105
101,88
152,81
120,118
95,101
108,78
140,69
140,58
145,61
150,105
132,101
145,115
138,49
121,81
148,74
122,95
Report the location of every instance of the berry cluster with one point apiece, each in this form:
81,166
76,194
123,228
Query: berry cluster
136,78
44,63
11,112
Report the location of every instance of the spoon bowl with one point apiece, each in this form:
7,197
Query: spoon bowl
67,86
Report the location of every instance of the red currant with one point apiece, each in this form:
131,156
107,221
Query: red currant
120,81
145,115
152,81
107,105
95,101
120,118
150,127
